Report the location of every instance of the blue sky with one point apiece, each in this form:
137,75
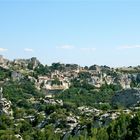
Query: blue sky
104,32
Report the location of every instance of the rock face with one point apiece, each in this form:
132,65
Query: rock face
52,101
24,63
5,105
127,98
16,75
3,62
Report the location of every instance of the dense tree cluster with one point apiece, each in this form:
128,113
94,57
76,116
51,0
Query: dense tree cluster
85,94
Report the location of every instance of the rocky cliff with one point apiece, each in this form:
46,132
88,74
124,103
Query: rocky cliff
126,98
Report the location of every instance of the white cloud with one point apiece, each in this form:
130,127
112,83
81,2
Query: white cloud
65,47
28,50
128,47
88,49
70,47
3,50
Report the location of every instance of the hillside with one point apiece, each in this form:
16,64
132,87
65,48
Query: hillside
67,101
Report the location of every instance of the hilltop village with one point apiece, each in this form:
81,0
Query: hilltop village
59,76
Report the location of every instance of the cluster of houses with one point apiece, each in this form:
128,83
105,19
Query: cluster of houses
55,82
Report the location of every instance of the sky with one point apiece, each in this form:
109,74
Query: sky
85,32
